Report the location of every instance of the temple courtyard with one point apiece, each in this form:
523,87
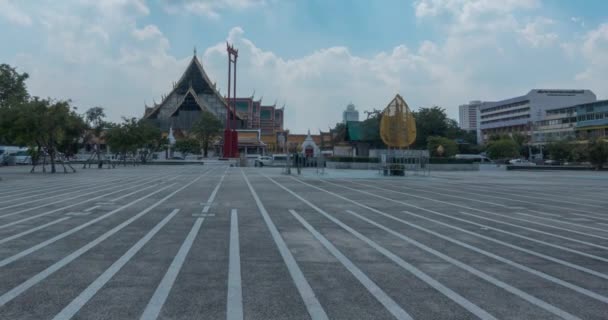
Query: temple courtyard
218,242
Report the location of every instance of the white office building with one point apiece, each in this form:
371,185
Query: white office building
521,114
467,114
350,114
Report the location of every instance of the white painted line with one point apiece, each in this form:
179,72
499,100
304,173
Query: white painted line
534,253
6,225
234,305
111,202
535,272
315,310
545,213
206,209
368,283
71,309
157,301
18,235
462,301
16,291
79,190
478,273
460,219
203,215
503,216
137,184
91,208
58,237
505,286
77,213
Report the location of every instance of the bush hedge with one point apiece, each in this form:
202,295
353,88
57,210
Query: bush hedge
434,160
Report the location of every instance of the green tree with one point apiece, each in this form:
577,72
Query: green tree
450,148
94,118
13,94
430,122
188,146
598,153
206,129
559,150
502,149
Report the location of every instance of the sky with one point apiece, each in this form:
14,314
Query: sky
313,56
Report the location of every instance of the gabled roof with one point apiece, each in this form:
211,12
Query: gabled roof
193,94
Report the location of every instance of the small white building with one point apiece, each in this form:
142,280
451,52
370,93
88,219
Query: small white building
309,147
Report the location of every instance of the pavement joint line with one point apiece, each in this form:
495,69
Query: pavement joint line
138,184
504,222
73,307
92,208
234,305
484,226
18,235
79,189
450,294
16,291
103,188
498,283
314,308
388,303
158,299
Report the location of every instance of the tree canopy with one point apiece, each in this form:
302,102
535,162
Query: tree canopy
206,129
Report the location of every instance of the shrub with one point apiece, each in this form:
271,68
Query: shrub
502,149
450,147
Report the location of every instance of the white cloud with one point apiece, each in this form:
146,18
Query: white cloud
595,52
209,8
14,15
149,31
534,32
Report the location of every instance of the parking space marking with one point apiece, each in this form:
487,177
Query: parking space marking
503,216
234,305
60,236
450,294
545,213
467,221
73,307
368,283
6,225
16,291
534,253
314,308
32,230
139,183
157,301
480,274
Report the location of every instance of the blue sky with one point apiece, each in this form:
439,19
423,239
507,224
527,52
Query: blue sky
313,56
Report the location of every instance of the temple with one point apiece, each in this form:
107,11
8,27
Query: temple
260,126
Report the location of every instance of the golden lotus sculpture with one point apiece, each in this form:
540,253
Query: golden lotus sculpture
398,126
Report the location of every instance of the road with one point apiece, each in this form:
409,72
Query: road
218,242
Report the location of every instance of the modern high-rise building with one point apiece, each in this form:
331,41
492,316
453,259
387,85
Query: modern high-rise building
467,114
350,114
522,114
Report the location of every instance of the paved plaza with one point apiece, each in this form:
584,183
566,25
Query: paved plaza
219,242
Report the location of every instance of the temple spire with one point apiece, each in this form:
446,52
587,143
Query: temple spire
194,51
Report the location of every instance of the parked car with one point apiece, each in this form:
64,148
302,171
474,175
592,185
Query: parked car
263,161
176,158
22,157
521,162
474,157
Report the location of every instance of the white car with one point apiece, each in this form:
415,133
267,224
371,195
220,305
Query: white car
263,161
22,157
521,162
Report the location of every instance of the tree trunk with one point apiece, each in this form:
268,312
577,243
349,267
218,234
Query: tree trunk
205,147
52,155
